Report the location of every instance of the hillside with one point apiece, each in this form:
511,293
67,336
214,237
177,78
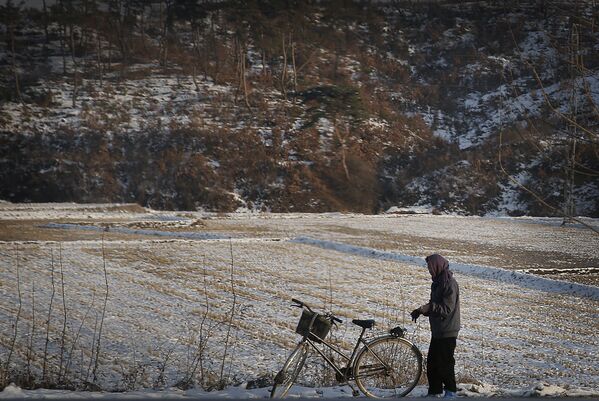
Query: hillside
475,108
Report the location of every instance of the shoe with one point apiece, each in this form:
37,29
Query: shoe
429,395
449,394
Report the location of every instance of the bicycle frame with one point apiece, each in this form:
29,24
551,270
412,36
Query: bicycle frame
371,350
346,373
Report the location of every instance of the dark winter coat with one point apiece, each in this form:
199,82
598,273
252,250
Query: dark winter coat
444,308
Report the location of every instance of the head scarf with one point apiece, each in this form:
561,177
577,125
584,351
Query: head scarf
439,268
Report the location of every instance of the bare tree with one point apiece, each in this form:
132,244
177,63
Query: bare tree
575,131
342,138
46,20
284,68
11,15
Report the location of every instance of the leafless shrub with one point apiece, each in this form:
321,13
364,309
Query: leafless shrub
160,380
134,373
72,358
72,350
62,373
198,343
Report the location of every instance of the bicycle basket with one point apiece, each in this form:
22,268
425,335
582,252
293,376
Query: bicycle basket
320,326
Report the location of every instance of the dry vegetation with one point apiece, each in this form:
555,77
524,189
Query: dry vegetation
169,303
331,103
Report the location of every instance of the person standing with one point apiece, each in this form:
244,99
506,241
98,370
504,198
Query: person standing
443,311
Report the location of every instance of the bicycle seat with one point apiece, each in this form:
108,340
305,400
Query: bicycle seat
366,324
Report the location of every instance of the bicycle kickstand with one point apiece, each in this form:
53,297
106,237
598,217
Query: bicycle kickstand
354,391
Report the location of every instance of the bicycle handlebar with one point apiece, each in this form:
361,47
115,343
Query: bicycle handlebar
300,304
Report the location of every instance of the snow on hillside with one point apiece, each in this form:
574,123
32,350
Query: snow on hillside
161,100
495,110
407,95
169,297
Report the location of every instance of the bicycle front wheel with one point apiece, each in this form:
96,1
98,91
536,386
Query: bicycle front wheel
291,369
388,367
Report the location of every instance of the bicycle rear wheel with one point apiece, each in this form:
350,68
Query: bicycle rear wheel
388,367
289,372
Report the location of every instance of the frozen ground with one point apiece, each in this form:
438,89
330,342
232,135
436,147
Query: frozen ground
169,295
297,392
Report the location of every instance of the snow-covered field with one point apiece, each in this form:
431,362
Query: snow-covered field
204,296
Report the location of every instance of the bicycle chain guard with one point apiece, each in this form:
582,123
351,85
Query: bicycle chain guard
339,378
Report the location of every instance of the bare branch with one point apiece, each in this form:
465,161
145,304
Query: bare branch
534,194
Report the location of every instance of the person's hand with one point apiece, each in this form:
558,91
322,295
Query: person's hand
415,314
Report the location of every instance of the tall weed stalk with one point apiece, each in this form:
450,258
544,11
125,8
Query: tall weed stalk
77,334
64,309
45,358
31,336
200,341
231,319
97,361
17,319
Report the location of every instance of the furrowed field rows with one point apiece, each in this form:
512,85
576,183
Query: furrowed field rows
161,291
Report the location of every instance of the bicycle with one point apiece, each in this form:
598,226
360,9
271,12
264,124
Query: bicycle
385,366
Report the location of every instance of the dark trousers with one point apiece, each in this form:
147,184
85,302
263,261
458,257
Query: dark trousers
440,365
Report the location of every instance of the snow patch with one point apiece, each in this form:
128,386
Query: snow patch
486,272
409,210
243,392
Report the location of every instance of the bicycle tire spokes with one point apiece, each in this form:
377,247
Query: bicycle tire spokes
388,367
290,371
373,370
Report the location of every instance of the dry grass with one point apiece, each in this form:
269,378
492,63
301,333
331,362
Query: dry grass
158,290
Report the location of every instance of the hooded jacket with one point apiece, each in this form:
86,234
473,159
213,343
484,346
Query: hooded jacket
443,309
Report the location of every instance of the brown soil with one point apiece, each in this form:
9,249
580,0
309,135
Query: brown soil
33,230
456,250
